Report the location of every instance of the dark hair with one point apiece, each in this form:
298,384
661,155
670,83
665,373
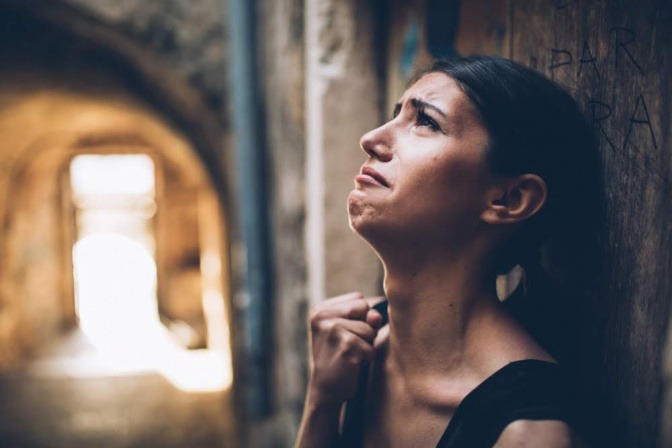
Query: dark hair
536,127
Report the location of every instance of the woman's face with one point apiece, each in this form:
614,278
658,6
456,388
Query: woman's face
426,176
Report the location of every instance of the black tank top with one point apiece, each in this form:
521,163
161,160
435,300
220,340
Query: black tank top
522,390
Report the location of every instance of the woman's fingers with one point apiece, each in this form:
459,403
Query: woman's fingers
343,331
335,327
355,350
374,319
345,297
348,307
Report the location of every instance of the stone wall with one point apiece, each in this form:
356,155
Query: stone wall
280,31
181,74
319,65
347,100
189,37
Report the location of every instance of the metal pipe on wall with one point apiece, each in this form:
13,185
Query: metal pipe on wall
247,121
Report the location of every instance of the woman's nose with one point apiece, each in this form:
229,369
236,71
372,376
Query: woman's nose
376,144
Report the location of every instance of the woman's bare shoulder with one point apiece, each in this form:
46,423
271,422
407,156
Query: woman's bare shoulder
537,433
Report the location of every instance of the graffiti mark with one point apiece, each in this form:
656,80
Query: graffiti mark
622,38
600,111
637,119
560,58
588,58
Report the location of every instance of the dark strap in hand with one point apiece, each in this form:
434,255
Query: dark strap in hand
352,435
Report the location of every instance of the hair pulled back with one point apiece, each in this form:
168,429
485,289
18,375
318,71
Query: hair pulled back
536,127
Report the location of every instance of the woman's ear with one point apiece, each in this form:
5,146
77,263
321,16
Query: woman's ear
514,199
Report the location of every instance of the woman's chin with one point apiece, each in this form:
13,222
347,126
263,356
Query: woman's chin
358,210
354,204
357,221
364,213
363,226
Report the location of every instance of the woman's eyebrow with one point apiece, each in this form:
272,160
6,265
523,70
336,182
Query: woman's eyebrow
419,104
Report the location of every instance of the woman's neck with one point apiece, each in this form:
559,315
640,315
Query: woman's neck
448,331
441,314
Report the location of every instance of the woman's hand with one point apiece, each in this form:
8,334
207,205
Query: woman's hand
342,332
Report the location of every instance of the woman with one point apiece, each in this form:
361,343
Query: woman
482,162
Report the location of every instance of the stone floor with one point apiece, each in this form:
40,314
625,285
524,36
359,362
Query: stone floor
41,406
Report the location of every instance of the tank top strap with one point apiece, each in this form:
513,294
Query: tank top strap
354,417
522,390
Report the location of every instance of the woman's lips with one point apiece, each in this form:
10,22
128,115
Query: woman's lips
370,176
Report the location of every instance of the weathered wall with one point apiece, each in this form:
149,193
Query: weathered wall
280,58
189,37
179,73
319,66
347,55
341,65
616,60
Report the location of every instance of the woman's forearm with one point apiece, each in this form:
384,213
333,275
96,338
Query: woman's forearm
319,425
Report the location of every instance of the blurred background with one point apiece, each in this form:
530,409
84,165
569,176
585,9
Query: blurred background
173,177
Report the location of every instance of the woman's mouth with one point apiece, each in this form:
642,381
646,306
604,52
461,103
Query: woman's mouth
368,175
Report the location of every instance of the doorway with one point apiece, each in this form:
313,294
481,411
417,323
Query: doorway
114,204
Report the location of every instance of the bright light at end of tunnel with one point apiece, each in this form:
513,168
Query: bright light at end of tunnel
116,304
117,307
122,174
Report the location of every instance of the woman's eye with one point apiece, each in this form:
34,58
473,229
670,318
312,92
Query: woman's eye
422,119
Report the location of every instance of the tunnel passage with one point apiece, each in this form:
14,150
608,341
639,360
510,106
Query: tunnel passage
115,289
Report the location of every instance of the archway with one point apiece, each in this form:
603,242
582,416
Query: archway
51,114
